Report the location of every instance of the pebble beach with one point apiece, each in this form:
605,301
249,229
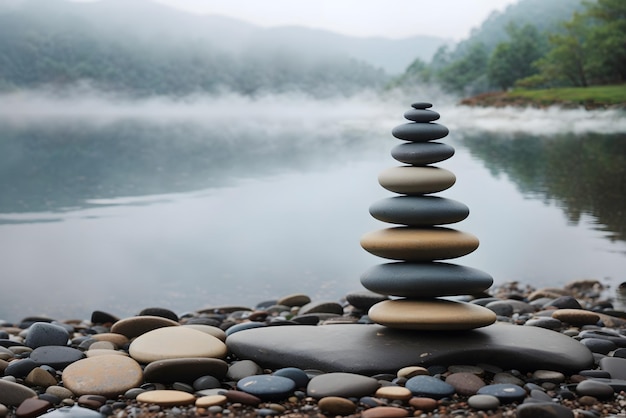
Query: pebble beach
162,364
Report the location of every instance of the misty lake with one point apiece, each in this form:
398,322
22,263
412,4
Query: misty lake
183,205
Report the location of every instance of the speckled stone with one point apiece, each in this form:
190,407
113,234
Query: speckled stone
60,392
267,387
103,375
419,210
576,317
184,370
419,132
421,115
42,333
341,384
336,405
435,314
413,180
422,153
13,394
419,244
167,397
137,325
175,342
359,348
465,384
423,280
429,386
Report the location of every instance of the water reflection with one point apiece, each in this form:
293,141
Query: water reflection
582,174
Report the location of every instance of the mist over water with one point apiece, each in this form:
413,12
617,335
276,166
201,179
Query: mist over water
117,204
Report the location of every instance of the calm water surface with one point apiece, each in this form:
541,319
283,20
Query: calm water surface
210,207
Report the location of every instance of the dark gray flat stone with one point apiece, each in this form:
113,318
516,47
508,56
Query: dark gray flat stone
422,153
422,280
419,210
421,115
419,132
421,105
373,349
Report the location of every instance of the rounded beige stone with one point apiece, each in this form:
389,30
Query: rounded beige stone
211,400
166,397
576,317
102,345
394,392
295,299
108,376
435,314
419,244
208,329
175,342
416,180
412,371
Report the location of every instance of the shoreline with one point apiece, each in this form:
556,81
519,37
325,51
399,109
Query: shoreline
516,304
506,99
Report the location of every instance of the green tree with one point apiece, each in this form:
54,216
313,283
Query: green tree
567,60
513,60
608,39
467,75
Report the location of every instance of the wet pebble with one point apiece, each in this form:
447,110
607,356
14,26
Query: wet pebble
506,393
267,387
42,333
336,405
429,386
464,383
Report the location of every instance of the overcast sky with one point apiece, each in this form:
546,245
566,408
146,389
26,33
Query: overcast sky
452,19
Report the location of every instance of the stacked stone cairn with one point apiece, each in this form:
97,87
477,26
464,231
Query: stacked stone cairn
418,281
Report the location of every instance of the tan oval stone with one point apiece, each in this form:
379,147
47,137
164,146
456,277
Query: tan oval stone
102,345
118,339
419,244
394,392
576,317
385,412
336,405
175,342
137,325
208,329
411,371
13,394
40,377
211,400
166,397
108,376
416,180
60,392
435,314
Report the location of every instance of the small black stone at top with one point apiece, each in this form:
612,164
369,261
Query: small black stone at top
421,105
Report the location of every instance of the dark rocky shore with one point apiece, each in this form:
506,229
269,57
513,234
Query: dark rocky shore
205,363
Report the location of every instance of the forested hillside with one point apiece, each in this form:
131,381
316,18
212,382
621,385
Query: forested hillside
533,44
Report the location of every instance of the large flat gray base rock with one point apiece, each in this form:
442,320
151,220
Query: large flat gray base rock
372,349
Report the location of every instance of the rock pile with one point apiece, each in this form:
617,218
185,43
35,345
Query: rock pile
419,279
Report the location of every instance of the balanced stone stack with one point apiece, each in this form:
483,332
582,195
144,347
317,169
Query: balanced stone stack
418,279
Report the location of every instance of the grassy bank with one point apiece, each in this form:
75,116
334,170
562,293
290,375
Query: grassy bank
596,97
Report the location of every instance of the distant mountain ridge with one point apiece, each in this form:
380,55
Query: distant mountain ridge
151,20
